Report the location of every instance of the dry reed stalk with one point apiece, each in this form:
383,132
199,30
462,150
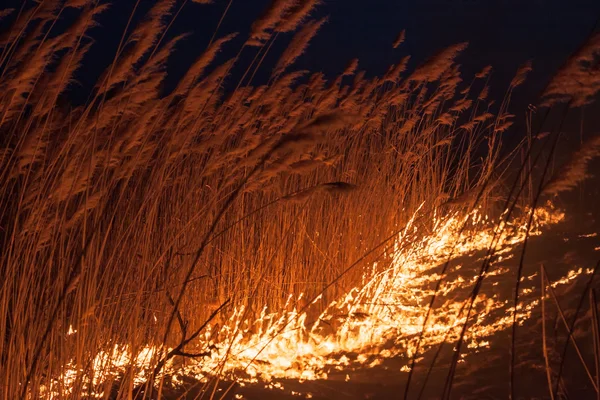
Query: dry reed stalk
571,328
544,344
595,338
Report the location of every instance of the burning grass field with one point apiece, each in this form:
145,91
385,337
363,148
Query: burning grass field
379,320
224,234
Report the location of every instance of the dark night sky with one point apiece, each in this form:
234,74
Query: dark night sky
504,33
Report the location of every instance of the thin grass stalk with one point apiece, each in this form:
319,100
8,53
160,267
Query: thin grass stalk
572,326
596,338
508,210
523,252
566,324
228,202
543,284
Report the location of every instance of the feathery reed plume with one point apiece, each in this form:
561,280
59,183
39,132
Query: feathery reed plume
141,40
297,15
433,68
200,65
399,39
298,45
394,72
578,80
6,12
574,171
78,3
484,93
262,28
351,68
484,72
521,74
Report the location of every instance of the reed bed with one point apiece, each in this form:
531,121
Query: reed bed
137,216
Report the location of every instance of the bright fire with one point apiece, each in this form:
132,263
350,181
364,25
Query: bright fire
380,318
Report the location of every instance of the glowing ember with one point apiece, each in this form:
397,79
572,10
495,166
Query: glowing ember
381,318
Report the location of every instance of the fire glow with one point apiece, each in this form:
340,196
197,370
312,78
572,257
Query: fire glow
380,318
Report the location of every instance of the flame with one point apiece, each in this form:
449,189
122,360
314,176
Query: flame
380,318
